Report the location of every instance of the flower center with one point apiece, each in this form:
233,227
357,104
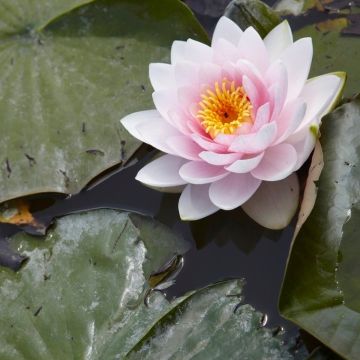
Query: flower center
225,109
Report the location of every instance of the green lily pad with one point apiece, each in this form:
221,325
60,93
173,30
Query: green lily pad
67,79
209,324
80,285
321,287
81,294
334,51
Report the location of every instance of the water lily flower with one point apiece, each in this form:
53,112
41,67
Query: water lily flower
236,120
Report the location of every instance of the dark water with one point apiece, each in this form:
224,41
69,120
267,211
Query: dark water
225,245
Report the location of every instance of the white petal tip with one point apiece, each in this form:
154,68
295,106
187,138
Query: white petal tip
162,172
132,121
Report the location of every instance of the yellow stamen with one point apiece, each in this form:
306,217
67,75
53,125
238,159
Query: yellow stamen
224,109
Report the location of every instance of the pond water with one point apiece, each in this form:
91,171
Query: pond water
225,245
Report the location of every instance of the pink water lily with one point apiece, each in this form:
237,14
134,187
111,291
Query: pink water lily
236,119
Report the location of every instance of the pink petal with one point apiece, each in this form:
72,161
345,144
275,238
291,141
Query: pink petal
304,147
233,191
290,118
224,139
278,162
165,100
245,165
199,172
132,121
228,30
253,49
167,104
252,92
229,71
196,128
277,99
162,172
277,74
209,74
156,132
275,203
278,39
262,117
247,69
161,76
276,78
219,159
184,146
188,99
208,144
297,59
198,52
186,73
255,142
244,128
179,119
225,51
178,51
194,203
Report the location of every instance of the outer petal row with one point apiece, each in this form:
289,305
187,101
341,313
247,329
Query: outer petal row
271,204
197,201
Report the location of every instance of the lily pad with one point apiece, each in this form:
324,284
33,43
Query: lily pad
321,287
210,324
334,51
81,285
81,293
66,80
